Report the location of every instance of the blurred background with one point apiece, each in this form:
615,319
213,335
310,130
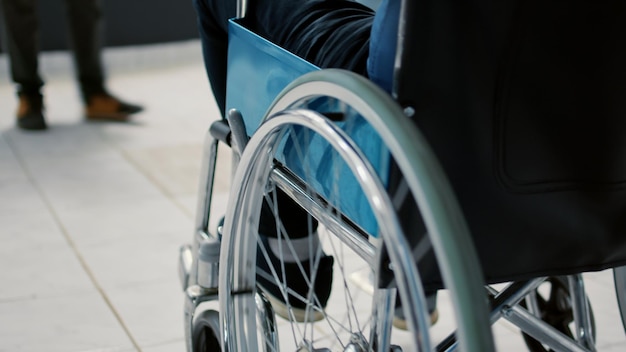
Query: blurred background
92,214
127,22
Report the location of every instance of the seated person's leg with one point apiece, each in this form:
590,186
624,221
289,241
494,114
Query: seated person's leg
212,19
383,43
328,33
333,33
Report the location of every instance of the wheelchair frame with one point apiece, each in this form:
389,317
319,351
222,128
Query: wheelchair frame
205,281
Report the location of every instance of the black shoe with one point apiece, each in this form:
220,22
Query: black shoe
295,307
30,113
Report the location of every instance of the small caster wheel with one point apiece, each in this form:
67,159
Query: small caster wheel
206,332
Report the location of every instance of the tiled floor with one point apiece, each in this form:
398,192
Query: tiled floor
92,214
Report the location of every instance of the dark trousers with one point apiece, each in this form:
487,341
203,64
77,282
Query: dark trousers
327,33
22,44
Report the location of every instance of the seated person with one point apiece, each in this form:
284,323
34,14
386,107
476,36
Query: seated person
330,34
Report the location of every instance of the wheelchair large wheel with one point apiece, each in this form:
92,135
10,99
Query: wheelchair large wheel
320,270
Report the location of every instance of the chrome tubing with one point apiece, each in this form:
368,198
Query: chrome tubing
267,319
582,316
242,8
384,308
540,330
205,188
356,242
619,277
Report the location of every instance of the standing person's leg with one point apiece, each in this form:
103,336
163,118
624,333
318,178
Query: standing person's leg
22,45
85,29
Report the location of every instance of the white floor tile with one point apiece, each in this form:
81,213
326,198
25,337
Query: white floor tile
135,260
35,257
174,168
84,181
73,323
189,204
40,270
152,312
10,168
62,140
148,132
133,216
18,197
178,345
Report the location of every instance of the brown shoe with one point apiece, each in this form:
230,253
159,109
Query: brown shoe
105,107
30,113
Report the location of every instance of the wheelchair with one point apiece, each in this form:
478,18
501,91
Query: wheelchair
407,194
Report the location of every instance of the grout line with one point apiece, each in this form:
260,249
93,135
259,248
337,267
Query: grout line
72,245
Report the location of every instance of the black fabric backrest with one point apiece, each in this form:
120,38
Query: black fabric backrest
524,103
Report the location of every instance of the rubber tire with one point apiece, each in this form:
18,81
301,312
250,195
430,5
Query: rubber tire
206,332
